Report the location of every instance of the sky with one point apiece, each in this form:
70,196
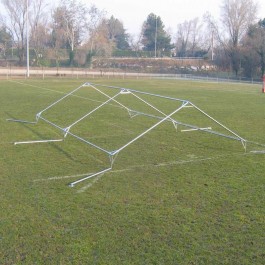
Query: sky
172,12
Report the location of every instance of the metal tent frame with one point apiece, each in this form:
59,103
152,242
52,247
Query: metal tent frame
162,117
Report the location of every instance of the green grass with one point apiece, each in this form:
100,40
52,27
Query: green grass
171,198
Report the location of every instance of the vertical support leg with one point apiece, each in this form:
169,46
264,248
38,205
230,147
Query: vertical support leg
175,125
112,158
244,143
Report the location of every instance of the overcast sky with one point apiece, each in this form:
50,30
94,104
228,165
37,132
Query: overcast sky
172,12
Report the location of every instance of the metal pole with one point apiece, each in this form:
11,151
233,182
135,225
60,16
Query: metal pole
27,24
155,36
88,177
89,113
219,123
151,128
212,44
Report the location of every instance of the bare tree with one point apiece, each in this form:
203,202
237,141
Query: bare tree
100,45
190,38
39,21
182,38
15,22
236,17
95,27
69,23
135,43
96,16
58,37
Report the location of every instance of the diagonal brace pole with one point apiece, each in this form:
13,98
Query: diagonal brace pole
89,113
57,101
152,127
121,91
219,123
153,107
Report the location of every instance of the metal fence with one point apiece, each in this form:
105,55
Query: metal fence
14,72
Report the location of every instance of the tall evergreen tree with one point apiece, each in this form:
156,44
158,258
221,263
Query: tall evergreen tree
117,33
155,38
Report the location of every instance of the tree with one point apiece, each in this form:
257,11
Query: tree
39,37
135,44
236,17
15,23
155,38
117,33
58,39
69,24
95,27
255,42
5,41
99,43
189,39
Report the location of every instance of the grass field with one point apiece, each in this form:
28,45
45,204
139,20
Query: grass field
171,197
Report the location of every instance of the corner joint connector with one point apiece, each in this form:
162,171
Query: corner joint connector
112,156
38,116
66,130
125,91
244,143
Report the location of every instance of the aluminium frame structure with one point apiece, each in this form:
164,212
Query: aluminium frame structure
161,117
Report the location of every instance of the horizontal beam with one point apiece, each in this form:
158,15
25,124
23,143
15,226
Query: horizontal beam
77,137
22,121
38,141
137,91
196,129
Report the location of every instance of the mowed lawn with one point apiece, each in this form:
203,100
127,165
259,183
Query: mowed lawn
172,197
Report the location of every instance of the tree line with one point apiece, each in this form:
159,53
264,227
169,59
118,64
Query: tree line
78,32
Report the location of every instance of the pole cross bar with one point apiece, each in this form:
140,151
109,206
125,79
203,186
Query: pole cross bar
137,91
57,101
22,121
38,141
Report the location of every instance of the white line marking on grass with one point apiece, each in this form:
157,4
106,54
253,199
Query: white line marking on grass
8,143
43,88
164,164
120,127
199,160
60,92
180,162
62,177
258,152
38,141
89,185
